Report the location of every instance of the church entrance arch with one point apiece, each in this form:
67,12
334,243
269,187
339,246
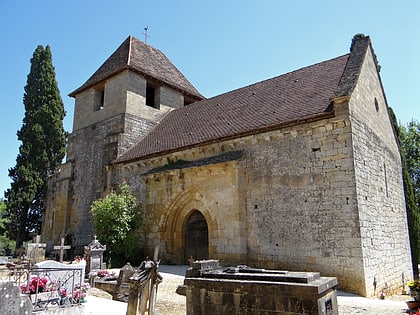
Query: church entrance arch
196,236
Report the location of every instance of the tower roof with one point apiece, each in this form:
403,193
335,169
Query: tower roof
135,55
299,96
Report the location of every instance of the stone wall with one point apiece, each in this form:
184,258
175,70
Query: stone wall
380,195
301,201
123,93
171,196
321,196
264,208
56,220
289,201
98,137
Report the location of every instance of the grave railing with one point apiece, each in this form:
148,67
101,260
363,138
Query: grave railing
49,287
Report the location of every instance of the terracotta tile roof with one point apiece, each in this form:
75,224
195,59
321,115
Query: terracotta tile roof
296,96
136,55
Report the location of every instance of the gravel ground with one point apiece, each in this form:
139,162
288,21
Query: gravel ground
171,303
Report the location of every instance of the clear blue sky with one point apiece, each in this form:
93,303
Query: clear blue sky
219,45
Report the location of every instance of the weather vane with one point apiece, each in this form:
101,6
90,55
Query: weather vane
145,34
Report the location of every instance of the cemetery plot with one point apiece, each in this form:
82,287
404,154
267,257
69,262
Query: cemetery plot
50,283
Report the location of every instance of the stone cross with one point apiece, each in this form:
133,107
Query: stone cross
62,248
36,250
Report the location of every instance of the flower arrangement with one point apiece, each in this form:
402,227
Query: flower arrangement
37,285
103,273
382,295
106,275
78,260
414,285
416,313
80,291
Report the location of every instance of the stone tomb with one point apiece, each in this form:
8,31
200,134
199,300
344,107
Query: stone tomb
67,275
211,289
94,253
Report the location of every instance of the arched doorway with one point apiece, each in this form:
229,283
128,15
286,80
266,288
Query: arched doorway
196,235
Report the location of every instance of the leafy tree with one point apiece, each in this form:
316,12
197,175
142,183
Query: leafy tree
116,218
413,210
5,242
42,150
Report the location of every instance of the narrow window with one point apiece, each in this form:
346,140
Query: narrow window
386,180
152,96
99,99
102,98
376,105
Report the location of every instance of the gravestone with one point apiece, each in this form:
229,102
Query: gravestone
123,285
68,275
62,248
12,301
118,287
94,253
36,250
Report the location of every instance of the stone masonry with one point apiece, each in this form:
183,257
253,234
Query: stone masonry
321,192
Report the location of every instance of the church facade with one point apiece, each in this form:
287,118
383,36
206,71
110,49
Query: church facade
298,172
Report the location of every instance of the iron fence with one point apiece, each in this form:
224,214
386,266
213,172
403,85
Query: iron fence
47,287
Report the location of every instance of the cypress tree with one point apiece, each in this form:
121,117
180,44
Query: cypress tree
42,148
413,211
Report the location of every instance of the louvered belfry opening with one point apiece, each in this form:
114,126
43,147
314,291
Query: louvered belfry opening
196,237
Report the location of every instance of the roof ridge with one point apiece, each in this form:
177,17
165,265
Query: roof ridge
129,49
277,76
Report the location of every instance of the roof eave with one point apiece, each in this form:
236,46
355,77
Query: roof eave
179,89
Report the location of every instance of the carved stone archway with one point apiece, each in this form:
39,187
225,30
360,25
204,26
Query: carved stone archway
173,224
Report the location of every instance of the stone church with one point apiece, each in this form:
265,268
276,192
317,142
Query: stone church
298,172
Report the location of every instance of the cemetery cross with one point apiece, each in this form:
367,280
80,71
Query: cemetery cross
62,248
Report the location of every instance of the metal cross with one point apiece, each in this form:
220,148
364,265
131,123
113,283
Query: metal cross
145,34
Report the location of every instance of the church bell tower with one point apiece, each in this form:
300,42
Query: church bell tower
121,102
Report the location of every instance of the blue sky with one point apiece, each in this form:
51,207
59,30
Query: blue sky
219,45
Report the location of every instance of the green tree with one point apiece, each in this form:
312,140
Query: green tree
42,148
410,142
5,242
116,219
413,210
